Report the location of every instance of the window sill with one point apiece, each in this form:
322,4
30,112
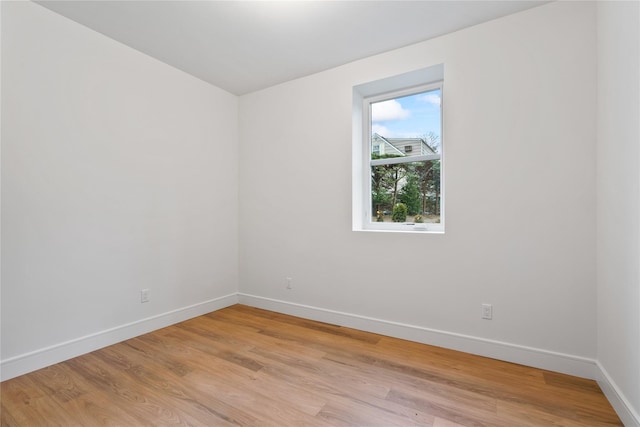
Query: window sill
404,229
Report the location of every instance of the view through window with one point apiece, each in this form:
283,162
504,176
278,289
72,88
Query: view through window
405,157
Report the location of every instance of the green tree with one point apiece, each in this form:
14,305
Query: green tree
399,213
385,180
410,193
428,178
428,175
432,140
435,179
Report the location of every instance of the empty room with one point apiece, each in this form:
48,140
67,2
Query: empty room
321,213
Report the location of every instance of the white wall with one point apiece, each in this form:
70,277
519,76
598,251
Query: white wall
619,201
520,113
118,174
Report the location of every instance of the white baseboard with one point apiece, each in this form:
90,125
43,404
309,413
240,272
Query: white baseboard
624,409
538,358
44,357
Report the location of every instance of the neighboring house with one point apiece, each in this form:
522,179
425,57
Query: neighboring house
399,146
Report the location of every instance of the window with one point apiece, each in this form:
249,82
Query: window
398,165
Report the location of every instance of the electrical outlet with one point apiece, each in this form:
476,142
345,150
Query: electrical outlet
487,311
289,279
144,295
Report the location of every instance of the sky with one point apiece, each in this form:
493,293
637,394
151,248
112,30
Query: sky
407,117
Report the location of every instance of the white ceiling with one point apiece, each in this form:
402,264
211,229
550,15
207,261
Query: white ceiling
244,46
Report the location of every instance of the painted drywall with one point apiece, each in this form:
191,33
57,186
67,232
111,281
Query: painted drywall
118,174
618,214
519,125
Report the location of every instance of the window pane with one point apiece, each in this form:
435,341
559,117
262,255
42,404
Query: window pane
406,126
416,185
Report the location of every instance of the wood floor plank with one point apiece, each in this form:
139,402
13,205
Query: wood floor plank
500,387
440,422
524,415
339,392
133,399
25,403
6,418
466,364
97,408
452,411
246,396
238,385
343,413
243,366
179,390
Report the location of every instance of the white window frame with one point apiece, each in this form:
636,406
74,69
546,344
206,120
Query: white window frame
415,82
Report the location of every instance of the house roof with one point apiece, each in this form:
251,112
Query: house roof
389,147
398,145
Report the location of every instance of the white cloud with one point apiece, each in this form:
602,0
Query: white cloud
406,135
389,133
388,110
380,130
431,98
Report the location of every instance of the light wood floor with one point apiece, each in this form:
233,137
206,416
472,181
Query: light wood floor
250,367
